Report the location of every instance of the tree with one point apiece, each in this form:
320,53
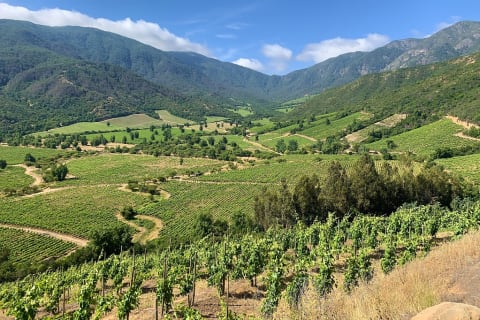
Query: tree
336,195
3,164
292,145
112,240
281,146
306,200
29,158
128,213
366,185
60,172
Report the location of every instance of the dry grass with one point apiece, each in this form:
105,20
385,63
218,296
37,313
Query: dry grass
449,273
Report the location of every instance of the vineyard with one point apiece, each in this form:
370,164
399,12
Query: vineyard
425,140
27,247
14,178
75,211
466,166
280,265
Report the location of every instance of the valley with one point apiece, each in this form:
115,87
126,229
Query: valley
124,194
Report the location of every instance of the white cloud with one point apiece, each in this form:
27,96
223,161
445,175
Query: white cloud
445,24
143,31
326,49
249,63
279,56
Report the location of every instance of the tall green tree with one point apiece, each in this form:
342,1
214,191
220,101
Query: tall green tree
336,195
366,185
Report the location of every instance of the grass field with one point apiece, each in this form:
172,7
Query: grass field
243,111
262,125
16,155
425,140
169,118
81,127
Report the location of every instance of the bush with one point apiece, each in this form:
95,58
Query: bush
128,213
3,164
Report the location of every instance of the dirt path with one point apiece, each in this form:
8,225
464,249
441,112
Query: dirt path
32,172
464,136
261,146
57,235
143,234
465,124
46,191
306,137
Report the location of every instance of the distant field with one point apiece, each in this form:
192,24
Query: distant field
30,247
170,118
289,167
243,111
322,130
271,139
143,135
362,134
425,140
133,121
14,178
81,127
466,166
262,125
110,168
16,155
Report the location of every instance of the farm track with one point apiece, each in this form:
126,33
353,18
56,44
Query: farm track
466,125
261,146
31,171
305,137
226,182
143,234
57,235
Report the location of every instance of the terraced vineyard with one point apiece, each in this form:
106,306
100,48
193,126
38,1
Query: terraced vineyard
30,247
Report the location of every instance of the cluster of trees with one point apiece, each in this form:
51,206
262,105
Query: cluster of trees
362,189
192,145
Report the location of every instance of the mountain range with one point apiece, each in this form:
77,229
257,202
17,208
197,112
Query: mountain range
60,75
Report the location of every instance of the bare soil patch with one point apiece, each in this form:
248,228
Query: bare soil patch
465,124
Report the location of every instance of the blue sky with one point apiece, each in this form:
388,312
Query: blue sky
271,36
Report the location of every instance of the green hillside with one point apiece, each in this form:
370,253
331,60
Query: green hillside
439,89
